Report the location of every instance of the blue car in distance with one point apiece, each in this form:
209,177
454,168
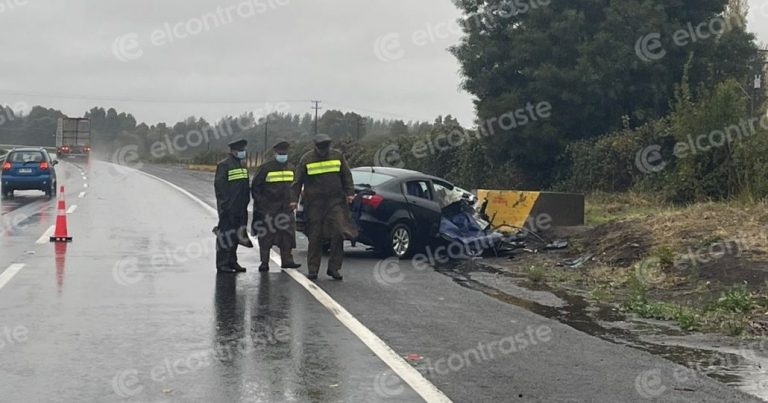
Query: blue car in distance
28,169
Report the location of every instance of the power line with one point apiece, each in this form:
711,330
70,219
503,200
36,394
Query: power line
146,100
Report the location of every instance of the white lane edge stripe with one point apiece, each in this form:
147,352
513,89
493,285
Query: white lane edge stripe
405,371
46,235
72,209
81,195
184,191
9,273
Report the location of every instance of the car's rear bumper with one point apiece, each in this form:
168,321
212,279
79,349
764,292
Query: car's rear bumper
22,183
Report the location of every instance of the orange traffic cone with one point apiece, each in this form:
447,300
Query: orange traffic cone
61,233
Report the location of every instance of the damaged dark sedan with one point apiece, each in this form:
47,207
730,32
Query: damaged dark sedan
398,211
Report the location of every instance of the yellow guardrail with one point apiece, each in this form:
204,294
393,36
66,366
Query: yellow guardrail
533,209
197,167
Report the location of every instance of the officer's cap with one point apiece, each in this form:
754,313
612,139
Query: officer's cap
238,145
281,144
322,138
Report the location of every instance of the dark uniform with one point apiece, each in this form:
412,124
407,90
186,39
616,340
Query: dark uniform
274,222
232,198
327,182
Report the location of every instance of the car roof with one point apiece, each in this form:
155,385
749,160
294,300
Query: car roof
27,149
399,173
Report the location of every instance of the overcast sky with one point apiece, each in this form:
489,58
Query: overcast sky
385,58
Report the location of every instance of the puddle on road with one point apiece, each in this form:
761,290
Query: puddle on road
740,364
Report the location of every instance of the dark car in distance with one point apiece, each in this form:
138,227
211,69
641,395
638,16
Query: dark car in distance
396,210
28,169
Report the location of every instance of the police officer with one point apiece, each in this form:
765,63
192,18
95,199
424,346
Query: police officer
328,189
273,220
232,198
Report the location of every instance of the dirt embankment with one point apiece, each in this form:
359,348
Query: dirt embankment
703,265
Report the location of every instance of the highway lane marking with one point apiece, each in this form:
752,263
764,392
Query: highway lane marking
405,371
46,238
72,209
85,185
81,195
183,191
9,273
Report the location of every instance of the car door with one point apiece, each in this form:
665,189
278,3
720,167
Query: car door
426,212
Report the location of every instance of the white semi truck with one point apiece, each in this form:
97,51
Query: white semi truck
73,137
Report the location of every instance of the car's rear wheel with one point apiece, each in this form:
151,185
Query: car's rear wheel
51,192
7,194
401,241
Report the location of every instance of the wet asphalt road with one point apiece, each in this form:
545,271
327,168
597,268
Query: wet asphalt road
133,310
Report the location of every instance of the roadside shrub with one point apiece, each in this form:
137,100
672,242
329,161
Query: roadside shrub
736,299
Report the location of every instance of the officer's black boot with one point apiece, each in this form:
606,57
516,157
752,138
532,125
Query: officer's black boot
335,275
264,267
287,260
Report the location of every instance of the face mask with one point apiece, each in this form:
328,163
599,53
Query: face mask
240,155
282,158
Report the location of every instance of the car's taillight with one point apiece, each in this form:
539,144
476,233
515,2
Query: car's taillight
6,166
373,200
44,166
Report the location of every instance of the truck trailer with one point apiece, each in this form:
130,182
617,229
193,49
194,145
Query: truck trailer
73,137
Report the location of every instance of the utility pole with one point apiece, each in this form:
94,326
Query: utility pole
316,108
266,134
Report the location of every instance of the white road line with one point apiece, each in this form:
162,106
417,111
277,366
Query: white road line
405,371
85,185
190,195
410,375
9,273
81,195
72,209
46,238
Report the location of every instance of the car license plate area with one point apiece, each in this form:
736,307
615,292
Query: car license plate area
25,171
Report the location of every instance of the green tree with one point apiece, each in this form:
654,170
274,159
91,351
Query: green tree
581,57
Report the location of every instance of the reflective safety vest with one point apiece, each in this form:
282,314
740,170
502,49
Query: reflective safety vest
280,176
323,167
238,174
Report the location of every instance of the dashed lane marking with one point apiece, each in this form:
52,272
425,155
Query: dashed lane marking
81,195
72,209
9,273
46,238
